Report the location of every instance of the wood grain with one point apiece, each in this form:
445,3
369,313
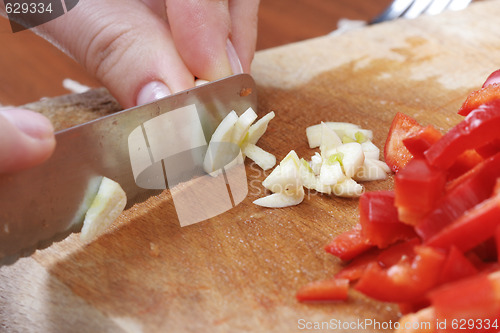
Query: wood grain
238,272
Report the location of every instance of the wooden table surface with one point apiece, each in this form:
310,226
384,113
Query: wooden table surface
31,68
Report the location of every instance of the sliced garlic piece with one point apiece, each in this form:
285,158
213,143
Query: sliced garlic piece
307,175
258,129
108,204
263,159
372,170
348,189
354,133
280,200
353,158
217,152
313,133
242,126
316,161
285,178
370,150
329,140
331,173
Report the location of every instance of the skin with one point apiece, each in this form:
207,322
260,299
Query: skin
140,51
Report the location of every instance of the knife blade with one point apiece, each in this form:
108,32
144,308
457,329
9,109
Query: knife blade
45,204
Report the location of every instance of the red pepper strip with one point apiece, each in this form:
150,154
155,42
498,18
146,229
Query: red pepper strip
355,269
465,162
379,219
468,191
456,267
476,298
393,254
348,245
479,97
497,241
477,129
418,187
325,290
396,155
489,149
406,281
418,142
472,228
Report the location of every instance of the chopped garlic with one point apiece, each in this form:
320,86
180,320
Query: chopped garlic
108,204
334,170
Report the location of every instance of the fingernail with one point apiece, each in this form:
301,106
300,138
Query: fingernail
30,123
234,60
152,92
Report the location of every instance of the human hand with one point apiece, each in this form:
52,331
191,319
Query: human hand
145,50
26,139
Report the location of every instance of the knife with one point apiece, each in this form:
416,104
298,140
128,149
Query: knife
45,204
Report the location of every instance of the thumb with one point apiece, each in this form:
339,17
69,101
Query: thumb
125,45
26,139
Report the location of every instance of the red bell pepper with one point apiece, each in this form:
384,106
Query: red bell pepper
469,190
456,267
349,244
355,269
405,281
479,97
396,155
469,304
324,290
418,187
479,128
497,241
472,228
419,141
393,254
379,219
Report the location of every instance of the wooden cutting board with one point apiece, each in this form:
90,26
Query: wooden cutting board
239,271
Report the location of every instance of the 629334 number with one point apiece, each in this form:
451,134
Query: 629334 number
28,7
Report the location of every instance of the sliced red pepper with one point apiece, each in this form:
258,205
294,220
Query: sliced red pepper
477,98
465,162
423,139
472,228
379,219
414,306
474,298
418,142
396,155
418,187
468,191
486,251
406,281
497,241
324,290
355,269
492,78
479,128
393,254
456,267
349,244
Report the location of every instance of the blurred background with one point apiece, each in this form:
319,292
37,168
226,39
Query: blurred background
31,68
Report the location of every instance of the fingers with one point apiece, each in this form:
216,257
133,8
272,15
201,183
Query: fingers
215,38
200,29
244,15
125,45
26,139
